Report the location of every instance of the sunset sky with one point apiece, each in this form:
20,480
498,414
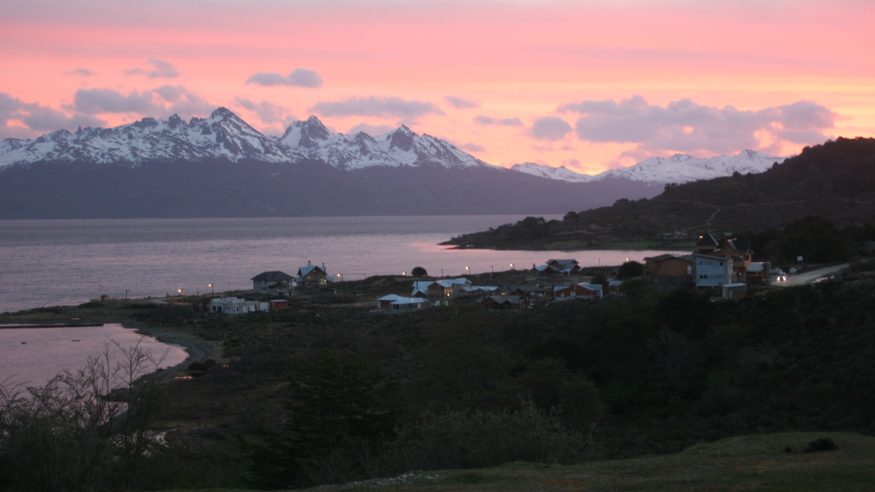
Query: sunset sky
588,84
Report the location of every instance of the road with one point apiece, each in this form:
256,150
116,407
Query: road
811,275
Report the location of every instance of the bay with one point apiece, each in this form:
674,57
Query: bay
32,356
62,262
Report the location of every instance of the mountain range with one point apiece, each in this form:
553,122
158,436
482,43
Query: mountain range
679,168
175,167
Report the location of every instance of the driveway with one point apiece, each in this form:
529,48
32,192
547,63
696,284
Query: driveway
811,275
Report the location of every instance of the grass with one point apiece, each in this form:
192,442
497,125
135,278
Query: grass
753,462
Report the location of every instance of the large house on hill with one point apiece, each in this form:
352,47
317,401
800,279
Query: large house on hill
311,275
274,282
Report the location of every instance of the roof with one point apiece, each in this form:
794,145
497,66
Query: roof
452,282
740,245
390,297
275,276
756,267
306,270
421,286
707,240
592,287
478,288
542,267
709,257
505,299
658,258
408,300
615,283
566,262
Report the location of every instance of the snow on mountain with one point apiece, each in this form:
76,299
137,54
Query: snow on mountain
222,135
561,173
225,135
402,147
682,168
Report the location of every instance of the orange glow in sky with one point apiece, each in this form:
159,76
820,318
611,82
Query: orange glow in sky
588,84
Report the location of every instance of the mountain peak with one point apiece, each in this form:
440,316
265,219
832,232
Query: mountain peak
222,113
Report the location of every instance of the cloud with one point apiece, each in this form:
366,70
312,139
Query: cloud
266,111
161,101
34,118
472,147
372,130
550,128
380,107
82,72
459,103
111,101
160,70
687,126
489,120
300,77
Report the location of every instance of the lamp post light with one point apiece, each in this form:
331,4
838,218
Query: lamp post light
212,288
179,291
467,269
340,277
511,266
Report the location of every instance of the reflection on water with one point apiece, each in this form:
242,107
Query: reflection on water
55,262
32,356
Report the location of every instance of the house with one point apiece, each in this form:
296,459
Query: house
394,302
614,287
554,267
504,303
758,272
443,288
712,271
236,305
274,282
279,304
739,251
734,291
311,275
480,289
577,291
669,270
523,290
707,244
597,290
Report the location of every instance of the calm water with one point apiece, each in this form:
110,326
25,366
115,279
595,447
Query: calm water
33,356
57,262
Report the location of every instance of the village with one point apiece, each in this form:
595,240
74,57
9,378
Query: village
721,267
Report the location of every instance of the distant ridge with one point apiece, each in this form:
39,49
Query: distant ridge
835,180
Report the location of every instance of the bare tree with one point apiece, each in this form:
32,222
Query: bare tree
84,429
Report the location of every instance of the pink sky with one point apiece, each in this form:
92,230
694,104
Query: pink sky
588,84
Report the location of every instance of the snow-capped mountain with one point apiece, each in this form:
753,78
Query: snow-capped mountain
225,135
561,173
683,168
679,168
402,147
222,135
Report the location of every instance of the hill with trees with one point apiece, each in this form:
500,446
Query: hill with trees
834,181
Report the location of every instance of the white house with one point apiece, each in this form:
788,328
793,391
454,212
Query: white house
235,305
712,271
394,302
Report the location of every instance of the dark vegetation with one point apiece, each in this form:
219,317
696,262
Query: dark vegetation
835,181
327,392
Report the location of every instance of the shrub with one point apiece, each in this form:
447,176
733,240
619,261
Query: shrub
474,439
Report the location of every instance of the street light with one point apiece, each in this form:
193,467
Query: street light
467,269
212,288
179,291
511,266
340,277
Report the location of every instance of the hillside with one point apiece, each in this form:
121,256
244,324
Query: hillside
835,180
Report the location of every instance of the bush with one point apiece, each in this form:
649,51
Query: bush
84,430
475,439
